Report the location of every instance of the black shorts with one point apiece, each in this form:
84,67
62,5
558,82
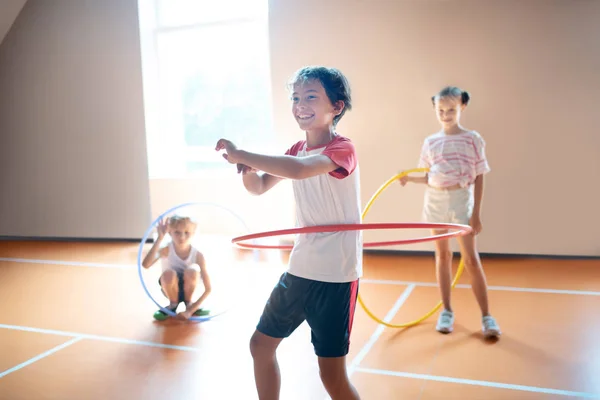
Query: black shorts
181,295
327,307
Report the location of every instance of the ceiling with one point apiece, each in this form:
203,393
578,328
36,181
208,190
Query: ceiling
9,10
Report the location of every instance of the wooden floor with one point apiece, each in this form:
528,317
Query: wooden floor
76,324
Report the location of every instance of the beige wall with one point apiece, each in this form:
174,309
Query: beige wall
9,10
532,68
271,211
71,99
72,142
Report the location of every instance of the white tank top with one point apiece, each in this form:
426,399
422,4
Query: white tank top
175,263
328,199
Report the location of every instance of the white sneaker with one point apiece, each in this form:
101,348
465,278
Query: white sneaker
445,322
490,327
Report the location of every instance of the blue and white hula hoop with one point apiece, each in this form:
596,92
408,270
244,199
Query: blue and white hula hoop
143,242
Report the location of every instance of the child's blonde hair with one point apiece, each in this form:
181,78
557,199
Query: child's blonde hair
177,220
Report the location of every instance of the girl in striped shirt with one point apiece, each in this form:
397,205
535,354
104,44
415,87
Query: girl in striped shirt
456,160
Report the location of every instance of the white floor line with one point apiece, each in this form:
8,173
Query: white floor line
377,333
363,281
498,385
499,288
40,356
98,337
379,330
79,336
540,290
67,263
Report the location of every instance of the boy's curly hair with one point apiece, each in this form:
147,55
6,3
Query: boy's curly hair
334,82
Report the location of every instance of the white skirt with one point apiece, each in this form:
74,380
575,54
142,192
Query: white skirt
448,206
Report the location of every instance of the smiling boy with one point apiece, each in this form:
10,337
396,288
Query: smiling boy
321,283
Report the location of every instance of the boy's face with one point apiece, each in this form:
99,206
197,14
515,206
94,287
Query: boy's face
182,233
311,106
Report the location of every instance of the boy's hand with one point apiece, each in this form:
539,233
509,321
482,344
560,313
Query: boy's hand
232,154
244,169
404,180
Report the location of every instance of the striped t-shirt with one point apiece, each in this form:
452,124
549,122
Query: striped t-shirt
454,159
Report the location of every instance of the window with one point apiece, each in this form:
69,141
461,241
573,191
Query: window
212,80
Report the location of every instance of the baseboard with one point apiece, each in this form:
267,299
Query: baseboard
289,243
485,255
71,239
430,253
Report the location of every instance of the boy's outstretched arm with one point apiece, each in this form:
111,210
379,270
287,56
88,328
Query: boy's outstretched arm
289,167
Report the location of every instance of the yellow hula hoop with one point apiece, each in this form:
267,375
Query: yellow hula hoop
459,271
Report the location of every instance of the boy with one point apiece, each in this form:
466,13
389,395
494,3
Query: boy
321,284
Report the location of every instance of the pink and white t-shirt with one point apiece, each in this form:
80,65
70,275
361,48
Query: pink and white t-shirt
332,198
454,159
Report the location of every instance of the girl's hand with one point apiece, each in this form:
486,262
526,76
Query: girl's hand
163,227
475,223
404,180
